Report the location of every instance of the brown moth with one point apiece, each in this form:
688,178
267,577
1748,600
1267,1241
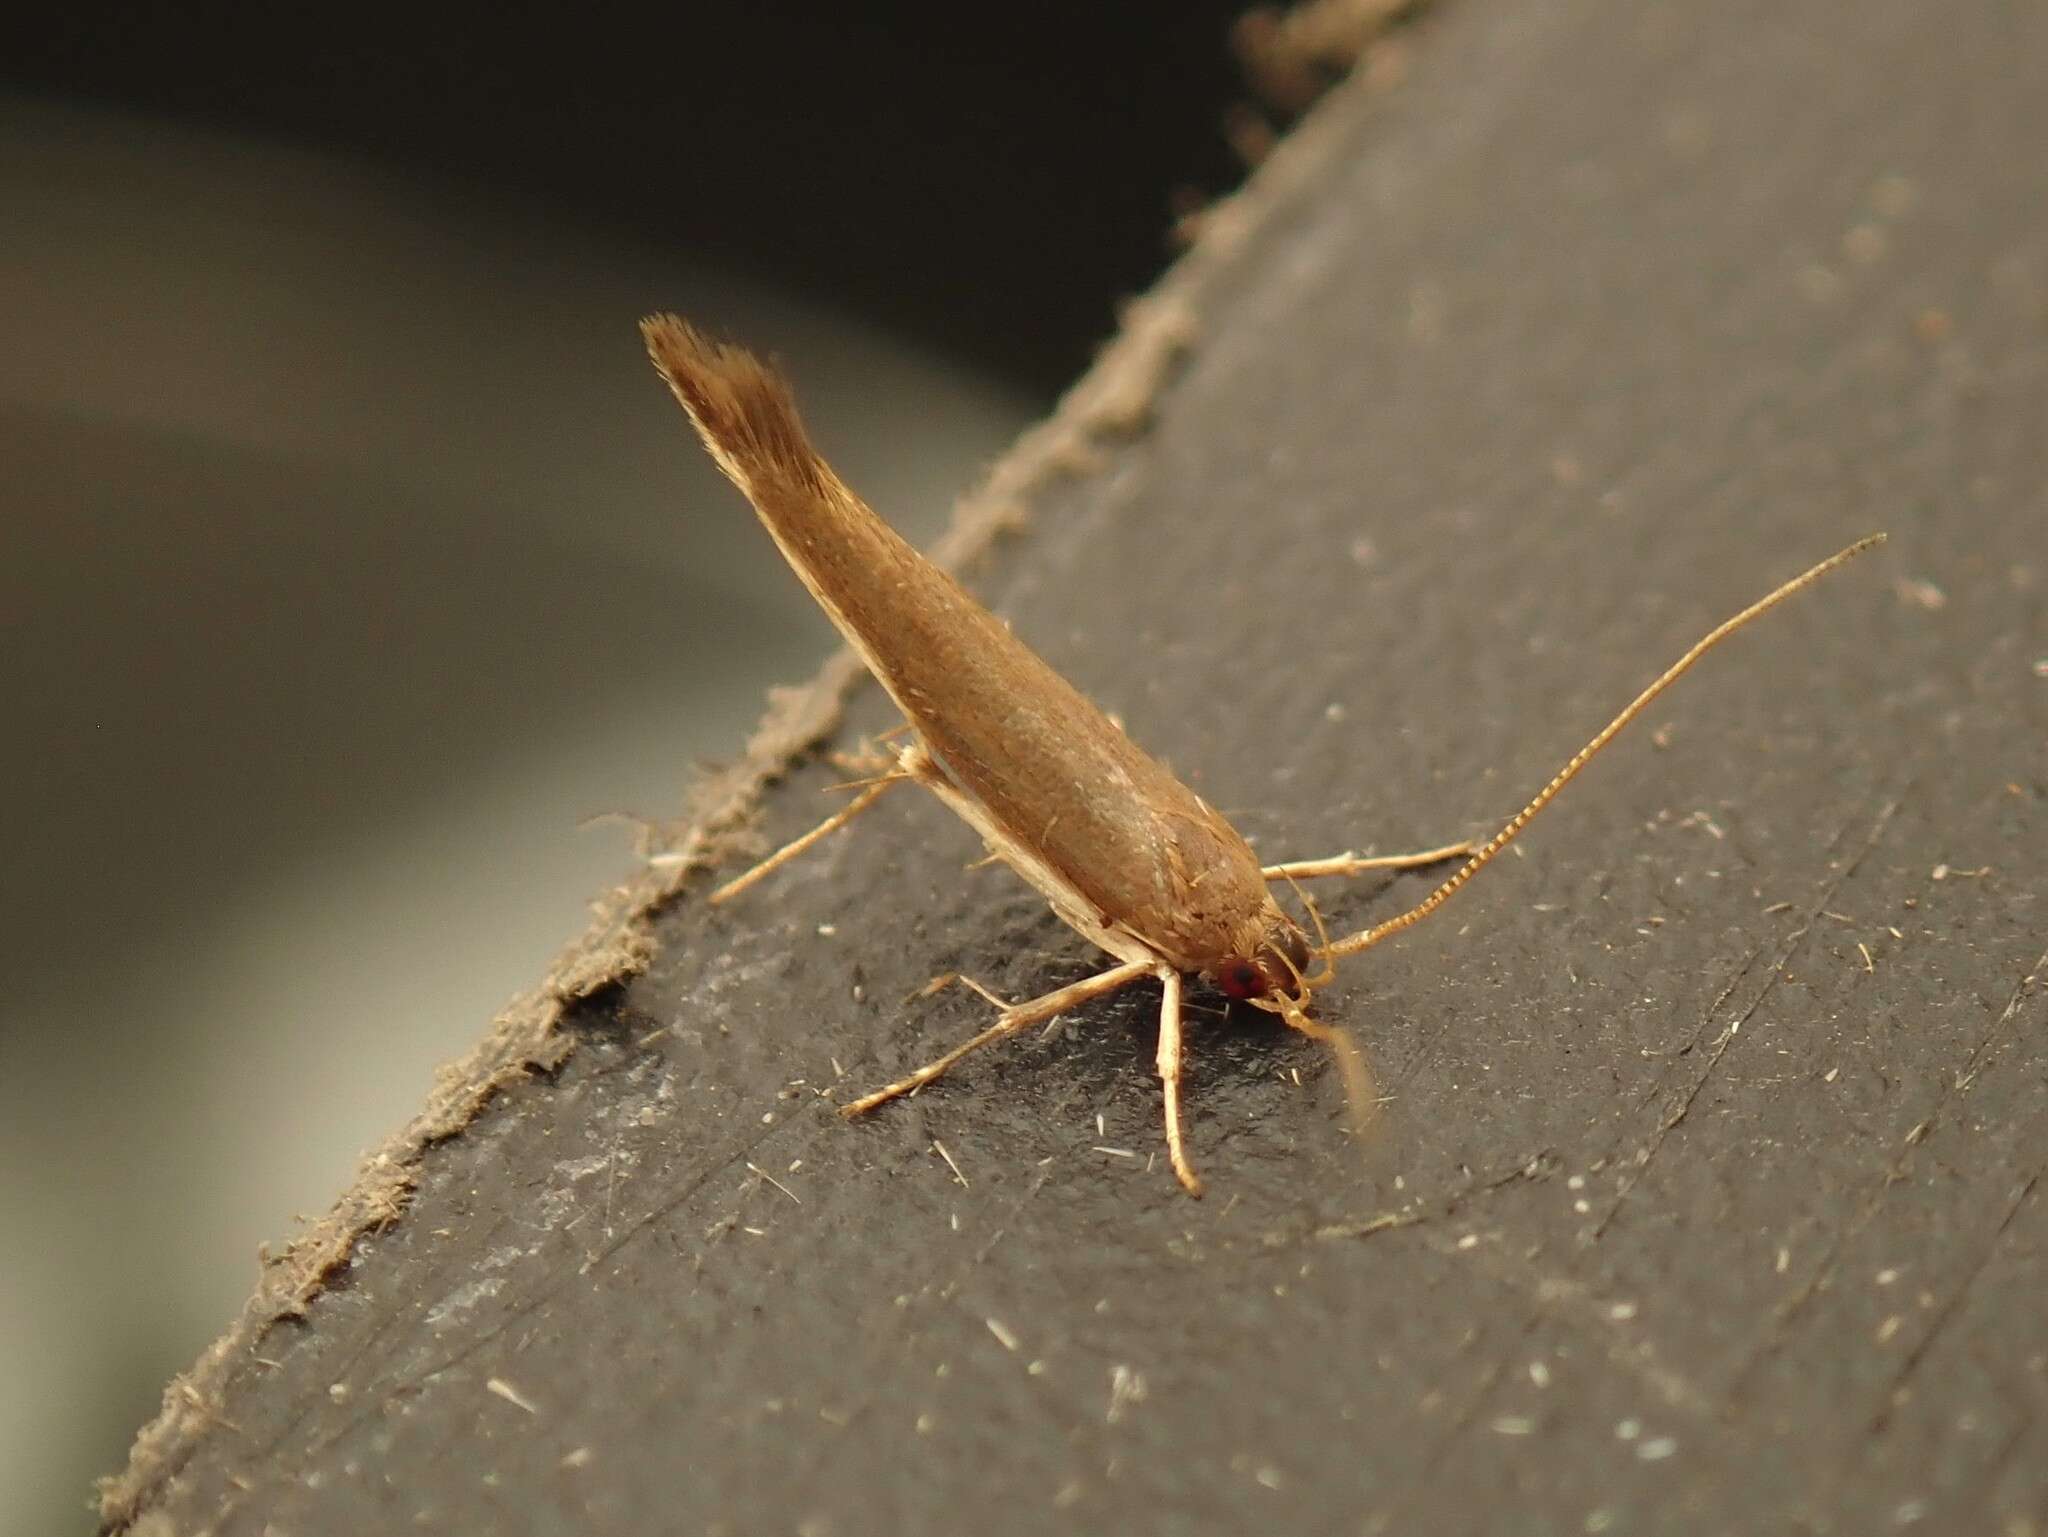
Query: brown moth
1128,856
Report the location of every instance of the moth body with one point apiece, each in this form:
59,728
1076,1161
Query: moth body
1128,856
1123,851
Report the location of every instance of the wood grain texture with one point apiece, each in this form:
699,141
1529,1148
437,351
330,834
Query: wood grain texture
1709,1193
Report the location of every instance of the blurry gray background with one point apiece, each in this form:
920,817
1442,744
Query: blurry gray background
351,558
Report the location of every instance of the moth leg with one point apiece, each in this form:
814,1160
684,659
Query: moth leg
1020,1016
796,846
1169,1078
946,979
1352,864
868,759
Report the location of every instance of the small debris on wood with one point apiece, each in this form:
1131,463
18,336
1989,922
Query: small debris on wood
510,1394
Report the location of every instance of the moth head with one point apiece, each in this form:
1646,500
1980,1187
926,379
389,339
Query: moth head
1277,962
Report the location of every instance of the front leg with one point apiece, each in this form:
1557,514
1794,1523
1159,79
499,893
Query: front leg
1169,1078
1352,864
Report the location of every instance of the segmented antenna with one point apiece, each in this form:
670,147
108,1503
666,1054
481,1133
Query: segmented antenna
1367,938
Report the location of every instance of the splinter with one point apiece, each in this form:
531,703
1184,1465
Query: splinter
1128,856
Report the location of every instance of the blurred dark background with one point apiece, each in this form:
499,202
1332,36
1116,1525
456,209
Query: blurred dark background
350,556
987,180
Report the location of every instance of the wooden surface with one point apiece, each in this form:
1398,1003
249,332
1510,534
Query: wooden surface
1707,1195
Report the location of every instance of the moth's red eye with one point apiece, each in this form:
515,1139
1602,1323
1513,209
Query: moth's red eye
1241,979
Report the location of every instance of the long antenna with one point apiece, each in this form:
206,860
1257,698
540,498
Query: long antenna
1366,939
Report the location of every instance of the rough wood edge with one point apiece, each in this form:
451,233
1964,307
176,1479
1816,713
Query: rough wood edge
1113,401
1291,54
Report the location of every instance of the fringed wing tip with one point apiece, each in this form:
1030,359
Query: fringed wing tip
742,408
680,351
